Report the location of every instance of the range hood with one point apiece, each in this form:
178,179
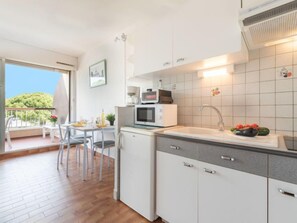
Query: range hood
269,23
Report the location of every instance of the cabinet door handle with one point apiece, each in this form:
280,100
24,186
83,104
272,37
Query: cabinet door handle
209,171
166,64
188,164
175,147
228,158
287,193
180,60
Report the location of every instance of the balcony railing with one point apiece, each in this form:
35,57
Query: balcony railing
28,117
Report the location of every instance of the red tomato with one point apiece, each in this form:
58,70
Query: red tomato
247,125
255,126
239,126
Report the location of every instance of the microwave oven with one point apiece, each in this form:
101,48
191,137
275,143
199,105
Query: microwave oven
160,115
156,96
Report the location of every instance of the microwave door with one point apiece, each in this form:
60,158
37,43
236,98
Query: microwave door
146,115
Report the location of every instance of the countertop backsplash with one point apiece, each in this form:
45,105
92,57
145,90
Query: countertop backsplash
263,91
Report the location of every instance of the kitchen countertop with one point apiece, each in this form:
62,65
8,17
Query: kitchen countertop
280,150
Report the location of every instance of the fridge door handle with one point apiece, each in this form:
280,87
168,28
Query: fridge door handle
119,140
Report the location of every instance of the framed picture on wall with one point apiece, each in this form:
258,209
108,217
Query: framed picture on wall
97,74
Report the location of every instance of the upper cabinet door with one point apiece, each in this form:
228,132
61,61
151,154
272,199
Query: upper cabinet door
205,29
153,47
251,3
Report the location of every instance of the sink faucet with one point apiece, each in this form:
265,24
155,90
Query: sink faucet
221,122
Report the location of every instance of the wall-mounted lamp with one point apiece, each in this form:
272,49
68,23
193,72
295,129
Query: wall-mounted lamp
294,38
217,71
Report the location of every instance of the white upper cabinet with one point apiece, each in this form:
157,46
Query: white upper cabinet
204,29
251,3
153,47
198,34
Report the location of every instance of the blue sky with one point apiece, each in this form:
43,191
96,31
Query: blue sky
21,79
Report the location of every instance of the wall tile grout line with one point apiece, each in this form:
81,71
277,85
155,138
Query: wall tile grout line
254,93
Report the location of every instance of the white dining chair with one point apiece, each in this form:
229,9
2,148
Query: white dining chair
64,140
81,137
104,144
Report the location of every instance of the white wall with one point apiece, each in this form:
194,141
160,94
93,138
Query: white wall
34,55
91,101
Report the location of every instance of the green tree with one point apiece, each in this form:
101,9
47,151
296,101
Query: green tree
31,100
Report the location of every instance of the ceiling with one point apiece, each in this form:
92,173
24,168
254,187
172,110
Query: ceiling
72,27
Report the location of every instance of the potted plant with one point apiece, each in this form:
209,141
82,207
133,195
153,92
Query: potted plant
53,119
110,117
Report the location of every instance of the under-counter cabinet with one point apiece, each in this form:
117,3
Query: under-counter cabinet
176,181
282,186
176,188
282,202
230,196
232,185
205,183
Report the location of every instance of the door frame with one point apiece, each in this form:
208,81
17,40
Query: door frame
71,93
2,105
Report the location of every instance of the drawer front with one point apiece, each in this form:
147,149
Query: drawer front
242,160
283,168
177,147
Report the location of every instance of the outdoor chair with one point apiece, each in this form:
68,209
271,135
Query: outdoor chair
7,134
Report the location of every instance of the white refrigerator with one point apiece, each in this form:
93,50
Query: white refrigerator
137,170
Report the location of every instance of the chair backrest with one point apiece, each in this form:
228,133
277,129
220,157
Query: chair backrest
62,119
107,130
8,122
62,137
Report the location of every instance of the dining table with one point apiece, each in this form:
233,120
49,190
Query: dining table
86,133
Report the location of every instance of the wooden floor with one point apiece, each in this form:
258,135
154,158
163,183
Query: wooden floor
32,190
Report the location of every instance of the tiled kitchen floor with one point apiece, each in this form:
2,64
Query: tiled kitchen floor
32,190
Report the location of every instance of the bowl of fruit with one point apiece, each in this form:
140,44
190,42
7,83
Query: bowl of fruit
250,130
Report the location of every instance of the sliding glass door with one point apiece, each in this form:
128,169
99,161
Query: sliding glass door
31,94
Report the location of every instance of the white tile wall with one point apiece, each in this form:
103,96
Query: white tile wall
267,62
255,92
267,75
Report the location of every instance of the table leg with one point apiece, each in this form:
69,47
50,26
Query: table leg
102,158
68,150
43,132
52,135
85,156
92,151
